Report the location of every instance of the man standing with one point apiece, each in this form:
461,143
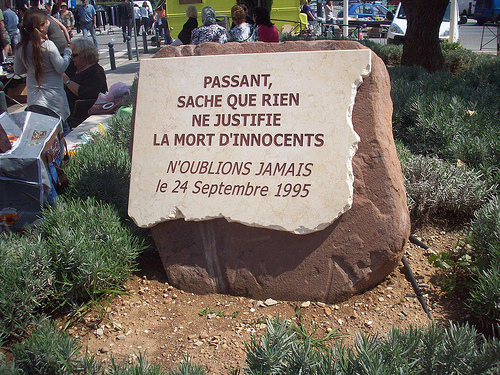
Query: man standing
125,18
87,15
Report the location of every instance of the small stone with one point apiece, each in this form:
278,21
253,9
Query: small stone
340,321
270,302
174,296
368,323
260,304
203,335
327,311
430,251
121,337
381,299
104,349
99,332
305,304
198,343
321,304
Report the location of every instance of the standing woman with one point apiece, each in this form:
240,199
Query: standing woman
329,14
38,56
67,18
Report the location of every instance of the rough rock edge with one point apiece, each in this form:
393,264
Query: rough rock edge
203,272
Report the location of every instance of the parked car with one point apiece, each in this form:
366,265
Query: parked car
397,29
366,11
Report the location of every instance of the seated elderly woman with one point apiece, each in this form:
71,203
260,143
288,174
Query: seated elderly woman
84,80
210,31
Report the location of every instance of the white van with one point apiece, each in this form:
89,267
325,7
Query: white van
147,2
397,30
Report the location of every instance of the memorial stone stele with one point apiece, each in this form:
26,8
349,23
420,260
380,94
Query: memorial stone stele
265,140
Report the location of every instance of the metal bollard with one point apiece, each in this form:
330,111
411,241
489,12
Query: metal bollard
157,35
145,41
129,47
112,55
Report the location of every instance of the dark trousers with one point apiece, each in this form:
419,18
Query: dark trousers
126,24
164,31
137,25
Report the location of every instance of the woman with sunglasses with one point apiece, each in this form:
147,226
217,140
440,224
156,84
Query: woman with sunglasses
84,78
38,56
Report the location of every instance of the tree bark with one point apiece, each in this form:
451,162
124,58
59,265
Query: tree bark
421,45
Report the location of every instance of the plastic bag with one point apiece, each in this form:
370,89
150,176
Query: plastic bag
108,103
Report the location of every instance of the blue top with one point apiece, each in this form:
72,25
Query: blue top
11,20
87,13
305,9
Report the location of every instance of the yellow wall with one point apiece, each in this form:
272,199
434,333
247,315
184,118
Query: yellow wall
282,10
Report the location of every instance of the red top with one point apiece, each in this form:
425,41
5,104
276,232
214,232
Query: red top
268,34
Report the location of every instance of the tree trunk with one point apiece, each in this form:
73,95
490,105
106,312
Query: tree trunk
421,46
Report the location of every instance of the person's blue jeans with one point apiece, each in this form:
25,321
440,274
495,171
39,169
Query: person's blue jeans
89,27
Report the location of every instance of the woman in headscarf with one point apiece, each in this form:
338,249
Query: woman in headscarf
210,31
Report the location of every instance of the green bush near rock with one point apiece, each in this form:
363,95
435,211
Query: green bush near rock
100,169
439,189
451,117
78,253
91,251
119,129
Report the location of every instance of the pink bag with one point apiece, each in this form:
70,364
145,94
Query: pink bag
110,102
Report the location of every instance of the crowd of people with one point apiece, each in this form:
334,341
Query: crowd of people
61,70
245,28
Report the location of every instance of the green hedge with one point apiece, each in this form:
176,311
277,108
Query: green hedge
432,350
26,279
92,252
100,169
453,117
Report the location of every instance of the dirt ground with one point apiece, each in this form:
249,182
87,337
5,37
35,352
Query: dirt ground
167,323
